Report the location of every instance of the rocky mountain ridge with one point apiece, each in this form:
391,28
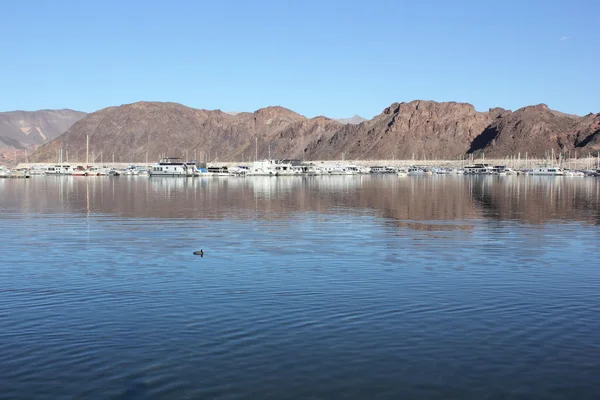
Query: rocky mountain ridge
418,129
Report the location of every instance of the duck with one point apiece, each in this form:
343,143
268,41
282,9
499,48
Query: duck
199,253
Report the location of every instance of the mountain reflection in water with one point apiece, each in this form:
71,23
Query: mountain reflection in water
418,202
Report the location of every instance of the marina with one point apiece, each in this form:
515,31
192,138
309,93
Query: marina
177,167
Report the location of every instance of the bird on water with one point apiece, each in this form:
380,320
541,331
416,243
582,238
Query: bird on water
199,253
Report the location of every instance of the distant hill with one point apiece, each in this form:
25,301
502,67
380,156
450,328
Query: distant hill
419,128
23,131
20,129
354,120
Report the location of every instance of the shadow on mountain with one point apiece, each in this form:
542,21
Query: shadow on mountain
593,139
483,139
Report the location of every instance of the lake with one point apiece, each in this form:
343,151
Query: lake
440,287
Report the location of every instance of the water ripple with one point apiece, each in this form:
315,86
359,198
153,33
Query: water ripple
309,288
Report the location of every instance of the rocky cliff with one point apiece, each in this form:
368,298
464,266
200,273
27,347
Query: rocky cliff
536,130
423,129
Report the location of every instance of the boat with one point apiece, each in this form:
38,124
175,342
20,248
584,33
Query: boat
170,166
416,171
502,170
98,171
547,171
59,170
272,168
338,169
379,169
570,172
240,170
313,170
402,172
143,172
79,171
358,169
482,169
37,170
218,171
15,173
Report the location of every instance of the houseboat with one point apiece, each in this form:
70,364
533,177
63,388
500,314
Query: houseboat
171,166
479,169
272,168
382,169
548,171
59,170
337,169
416,171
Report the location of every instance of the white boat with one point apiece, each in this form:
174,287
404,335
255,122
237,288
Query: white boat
80,171
415,171
4,172
338,169
503,170
272,168
98,171
378,169
171,166
570,172
37,170
17,173
213,170
359,169
313,170
240,170
131,170
547,171
479,169
402,172
59,170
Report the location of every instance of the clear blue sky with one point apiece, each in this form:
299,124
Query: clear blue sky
334,58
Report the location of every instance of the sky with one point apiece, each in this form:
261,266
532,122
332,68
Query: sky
333,58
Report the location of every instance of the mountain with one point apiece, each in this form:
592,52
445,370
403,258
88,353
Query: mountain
22,129
403,130
533,129
419,129
587,133
354,120
131,131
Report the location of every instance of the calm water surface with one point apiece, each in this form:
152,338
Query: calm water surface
325,287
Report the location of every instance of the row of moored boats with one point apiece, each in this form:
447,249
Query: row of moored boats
177,167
